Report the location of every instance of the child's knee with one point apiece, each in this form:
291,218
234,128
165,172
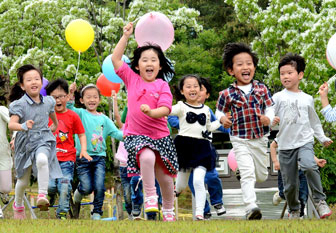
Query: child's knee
41,160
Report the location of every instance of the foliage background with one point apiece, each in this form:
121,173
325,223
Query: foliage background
33,32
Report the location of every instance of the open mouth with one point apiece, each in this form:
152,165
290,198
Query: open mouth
149,71
193,94
246,75
58,105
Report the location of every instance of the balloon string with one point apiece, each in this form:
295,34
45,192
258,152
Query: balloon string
77,66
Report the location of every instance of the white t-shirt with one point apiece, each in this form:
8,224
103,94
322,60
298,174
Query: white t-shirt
195,129
299,122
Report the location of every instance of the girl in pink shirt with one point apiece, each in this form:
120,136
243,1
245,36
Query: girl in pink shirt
151,151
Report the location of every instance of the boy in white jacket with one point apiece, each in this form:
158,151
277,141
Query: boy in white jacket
299,124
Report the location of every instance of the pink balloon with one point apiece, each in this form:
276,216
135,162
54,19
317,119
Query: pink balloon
154,28
232,160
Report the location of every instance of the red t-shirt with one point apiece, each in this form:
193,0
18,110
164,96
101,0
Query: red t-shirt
69,124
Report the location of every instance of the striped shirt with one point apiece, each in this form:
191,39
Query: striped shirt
245,108
329,113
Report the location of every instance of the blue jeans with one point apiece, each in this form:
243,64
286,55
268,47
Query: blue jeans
63,186
126,184
91,177
214,188
137,195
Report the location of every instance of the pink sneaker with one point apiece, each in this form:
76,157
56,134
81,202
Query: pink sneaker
151,204
42,202
169,217
19,212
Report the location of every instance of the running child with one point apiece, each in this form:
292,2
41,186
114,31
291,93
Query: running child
35,145
6,162
91,169
194,150
151,151
245,106
69,124
299,123
212,179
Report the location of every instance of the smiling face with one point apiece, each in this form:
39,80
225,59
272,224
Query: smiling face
243,68
32,84
203,95
61,98
290,78
91,99
191,90
149,65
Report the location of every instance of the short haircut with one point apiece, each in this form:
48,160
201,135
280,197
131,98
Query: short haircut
232,49
294,60
58,83
205,82
25,68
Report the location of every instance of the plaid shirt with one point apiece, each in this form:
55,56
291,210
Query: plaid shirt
244,109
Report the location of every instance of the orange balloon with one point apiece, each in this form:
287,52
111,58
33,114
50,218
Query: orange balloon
106,87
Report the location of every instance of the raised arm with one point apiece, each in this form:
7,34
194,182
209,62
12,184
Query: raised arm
116,110
120,47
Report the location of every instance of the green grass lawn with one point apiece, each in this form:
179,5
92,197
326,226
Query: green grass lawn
179,226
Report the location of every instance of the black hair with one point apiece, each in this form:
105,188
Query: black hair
207,85
179,88
294,60
166,65
87,87
16,91
232,49
25,68
58,83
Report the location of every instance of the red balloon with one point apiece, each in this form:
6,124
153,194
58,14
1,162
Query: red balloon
106,87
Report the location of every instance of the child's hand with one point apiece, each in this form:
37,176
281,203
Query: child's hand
12,144
327,143
323,90
320,162
114,95
145,109
276,165
226,120
85,155
128,29
52,128
72,88
264,120
30,124
276,120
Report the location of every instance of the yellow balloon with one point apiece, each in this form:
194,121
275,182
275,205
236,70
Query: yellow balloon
79,34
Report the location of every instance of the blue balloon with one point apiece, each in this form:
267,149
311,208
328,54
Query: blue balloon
108,69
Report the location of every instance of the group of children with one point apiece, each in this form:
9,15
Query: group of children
45,125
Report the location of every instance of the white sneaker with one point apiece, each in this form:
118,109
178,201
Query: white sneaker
294,214
323,209
220,209
276,198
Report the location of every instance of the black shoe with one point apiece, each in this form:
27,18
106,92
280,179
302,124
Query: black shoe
136,212
151,216
52,199
75,210
254,214
207,216
4,198
237,174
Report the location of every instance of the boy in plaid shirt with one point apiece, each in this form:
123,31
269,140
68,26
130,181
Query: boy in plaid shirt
245,107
